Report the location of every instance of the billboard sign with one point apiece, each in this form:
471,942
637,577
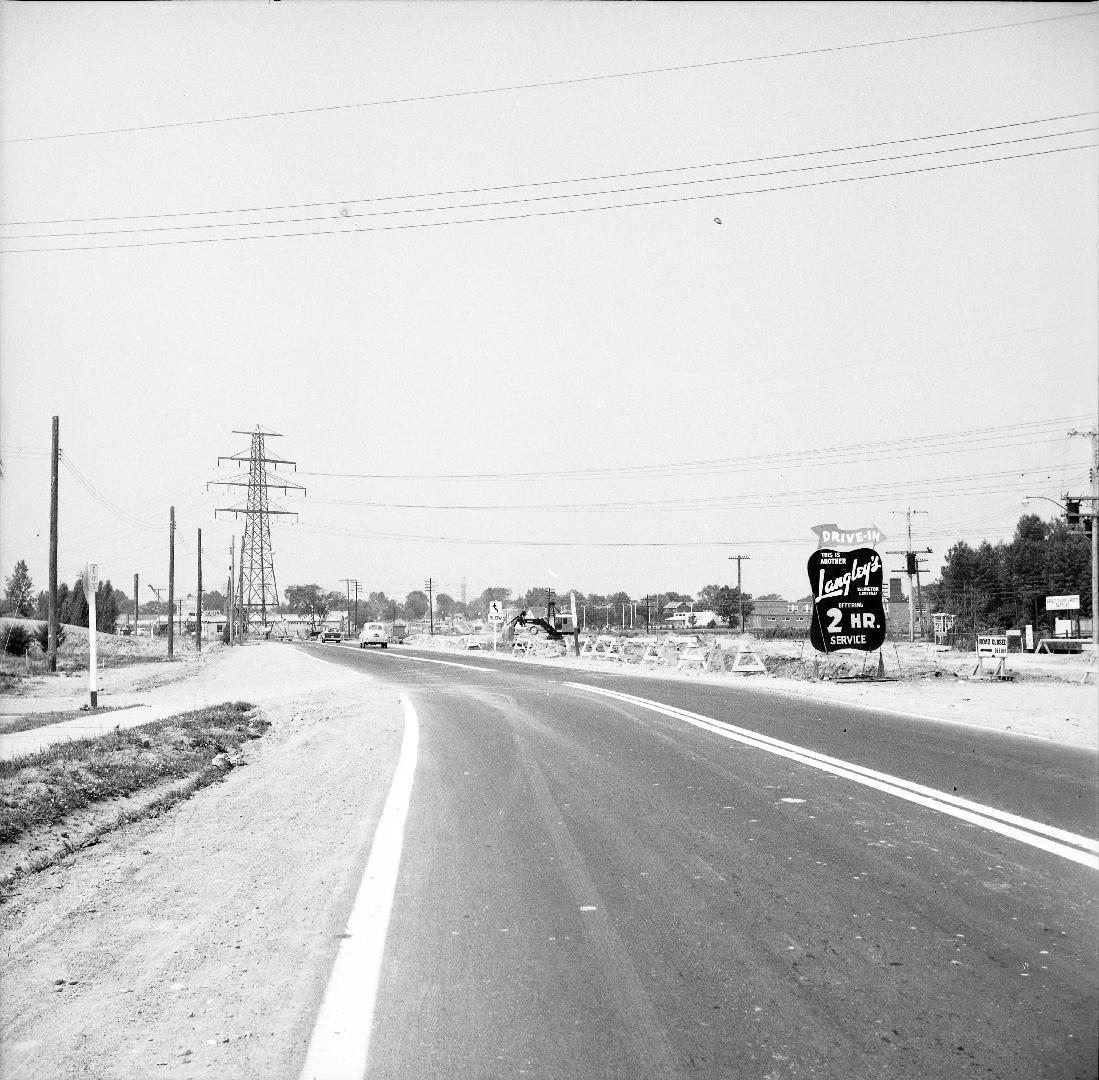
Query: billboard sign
1063,603
848,601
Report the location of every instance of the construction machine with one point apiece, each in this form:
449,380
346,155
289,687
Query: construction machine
554,626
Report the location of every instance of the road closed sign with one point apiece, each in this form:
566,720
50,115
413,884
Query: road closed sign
992,645
848,604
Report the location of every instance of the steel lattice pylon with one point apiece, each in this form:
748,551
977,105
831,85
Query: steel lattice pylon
259,592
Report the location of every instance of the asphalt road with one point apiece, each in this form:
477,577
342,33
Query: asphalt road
591,888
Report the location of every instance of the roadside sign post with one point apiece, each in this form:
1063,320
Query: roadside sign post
495,616
995,646
91,583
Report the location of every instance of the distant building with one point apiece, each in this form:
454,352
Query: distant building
689,620
781,614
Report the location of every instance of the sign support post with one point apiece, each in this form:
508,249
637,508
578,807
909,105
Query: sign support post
91,583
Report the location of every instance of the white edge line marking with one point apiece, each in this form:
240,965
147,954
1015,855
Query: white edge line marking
1047,837
445,663
340,1043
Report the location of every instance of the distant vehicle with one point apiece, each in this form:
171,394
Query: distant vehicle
398,631
330,635
374,633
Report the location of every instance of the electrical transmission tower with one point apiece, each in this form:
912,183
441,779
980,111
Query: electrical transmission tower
257,567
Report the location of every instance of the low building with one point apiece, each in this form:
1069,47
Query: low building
781,615
692,620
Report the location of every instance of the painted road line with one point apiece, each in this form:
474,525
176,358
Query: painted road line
340,1043
445,663
1068,845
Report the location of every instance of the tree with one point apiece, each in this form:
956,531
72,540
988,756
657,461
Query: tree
496,593
106,608
309,600
213,601
724,602
74,608
415,604
444,605
19,592
995,587
534,599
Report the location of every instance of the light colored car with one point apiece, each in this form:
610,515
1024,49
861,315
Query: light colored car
374,633
330,635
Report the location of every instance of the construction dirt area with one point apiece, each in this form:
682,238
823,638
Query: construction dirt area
195,939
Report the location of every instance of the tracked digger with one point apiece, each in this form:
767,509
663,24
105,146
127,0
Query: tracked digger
554,626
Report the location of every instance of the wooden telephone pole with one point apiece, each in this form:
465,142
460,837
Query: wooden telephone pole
53,613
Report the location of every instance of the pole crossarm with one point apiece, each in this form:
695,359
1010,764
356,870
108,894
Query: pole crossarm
285,487
245,459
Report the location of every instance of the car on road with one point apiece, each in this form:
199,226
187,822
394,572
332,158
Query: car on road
374,633
330,635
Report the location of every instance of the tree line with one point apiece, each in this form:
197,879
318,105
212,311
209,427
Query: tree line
998,587
988,587
599,609
21,601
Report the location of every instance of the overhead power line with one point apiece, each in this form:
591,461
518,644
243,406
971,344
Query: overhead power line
545,84
977,437
446,193
531,214
522,200
816,494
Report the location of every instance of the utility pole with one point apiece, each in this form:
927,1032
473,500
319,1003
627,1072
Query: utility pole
198,606
171,582
242,628
229,596
430,608
350,582
739,591
137,604
53,612
912,569
1094,436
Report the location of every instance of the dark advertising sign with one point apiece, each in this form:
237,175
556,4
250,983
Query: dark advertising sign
848,606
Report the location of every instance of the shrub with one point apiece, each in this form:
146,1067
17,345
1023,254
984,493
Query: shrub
17,638
42,636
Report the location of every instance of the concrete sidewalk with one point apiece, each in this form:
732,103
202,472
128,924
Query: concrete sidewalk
255,674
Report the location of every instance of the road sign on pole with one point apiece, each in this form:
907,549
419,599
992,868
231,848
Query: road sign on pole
91,583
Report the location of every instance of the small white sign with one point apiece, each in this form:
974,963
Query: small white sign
992,645
1063,603
91,578
495,611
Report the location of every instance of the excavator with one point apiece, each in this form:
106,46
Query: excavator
555,626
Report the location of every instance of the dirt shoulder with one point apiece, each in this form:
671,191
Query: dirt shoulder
204,935
1046,701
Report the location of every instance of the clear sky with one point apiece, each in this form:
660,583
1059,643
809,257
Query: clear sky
580,295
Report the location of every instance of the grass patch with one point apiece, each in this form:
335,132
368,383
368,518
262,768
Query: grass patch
42,789
30,721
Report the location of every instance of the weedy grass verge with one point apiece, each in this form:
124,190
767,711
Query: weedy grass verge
29,721
43,790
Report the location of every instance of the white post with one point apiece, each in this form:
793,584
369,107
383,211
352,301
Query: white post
93,685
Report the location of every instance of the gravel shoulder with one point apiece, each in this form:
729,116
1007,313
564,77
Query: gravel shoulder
1047,701
198,942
